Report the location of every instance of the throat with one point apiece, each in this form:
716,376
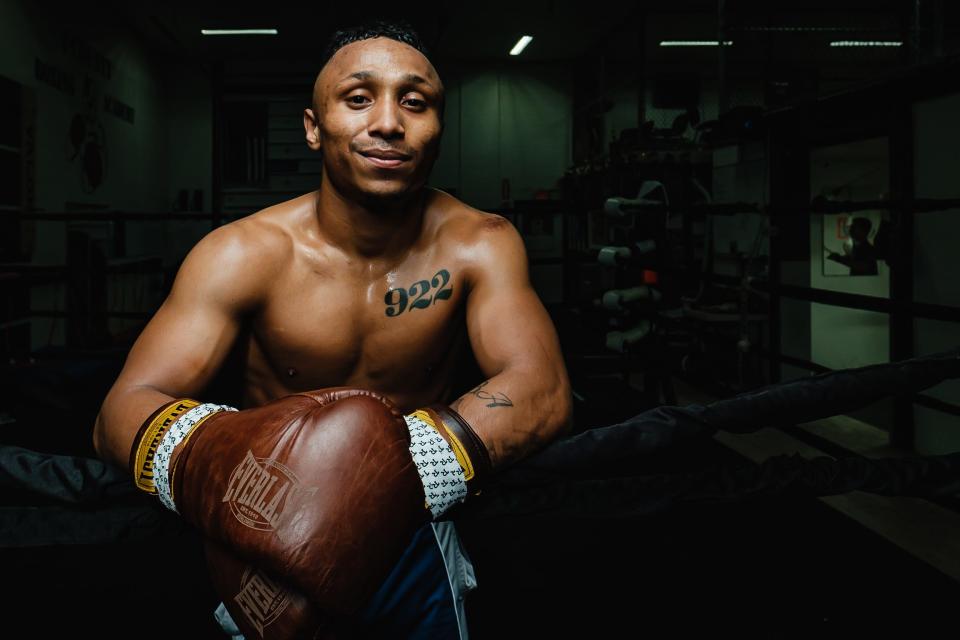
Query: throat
371,229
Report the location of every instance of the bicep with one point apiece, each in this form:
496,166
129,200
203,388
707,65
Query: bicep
189,337
181,348
507,324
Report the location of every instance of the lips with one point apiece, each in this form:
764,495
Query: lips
385,159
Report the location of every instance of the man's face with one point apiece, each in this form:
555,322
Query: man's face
377,119
859,231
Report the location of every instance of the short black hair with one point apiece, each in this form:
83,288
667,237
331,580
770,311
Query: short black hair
395,30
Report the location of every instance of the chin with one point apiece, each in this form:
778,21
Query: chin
388,193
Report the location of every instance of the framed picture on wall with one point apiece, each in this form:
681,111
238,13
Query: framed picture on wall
849,243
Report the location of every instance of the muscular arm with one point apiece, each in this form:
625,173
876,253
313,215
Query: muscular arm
525,402
186,341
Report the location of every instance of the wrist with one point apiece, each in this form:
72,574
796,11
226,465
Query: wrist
451,459
471,452
148,438
159,441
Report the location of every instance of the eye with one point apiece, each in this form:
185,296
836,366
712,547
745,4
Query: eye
357,99
415,103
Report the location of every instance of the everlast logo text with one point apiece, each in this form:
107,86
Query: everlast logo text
261,599
258,490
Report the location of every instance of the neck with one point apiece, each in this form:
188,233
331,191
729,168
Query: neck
371,229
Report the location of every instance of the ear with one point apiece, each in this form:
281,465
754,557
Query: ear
311,127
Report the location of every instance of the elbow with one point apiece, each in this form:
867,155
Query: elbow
98,437
567,426
562,419
102,438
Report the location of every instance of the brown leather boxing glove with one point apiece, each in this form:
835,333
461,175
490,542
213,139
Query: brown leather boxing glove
263,606
314,487
319,488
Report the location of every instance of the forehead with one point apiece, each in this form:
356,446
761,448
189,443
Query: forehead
383,57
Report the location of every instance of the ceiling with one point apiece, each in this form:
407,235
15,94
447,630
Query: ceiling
469,31
453,31
484,32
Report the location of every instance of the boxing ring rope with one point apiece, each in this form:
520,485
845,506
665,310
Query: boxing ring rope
599,473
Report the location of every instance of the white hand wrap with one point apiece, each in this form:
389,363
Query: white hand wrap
176,434
444,482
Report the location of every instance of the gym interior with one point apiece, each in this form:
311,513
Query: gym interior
714,196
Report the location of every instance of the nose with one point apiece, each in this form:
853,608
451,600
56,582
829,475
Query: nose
386,121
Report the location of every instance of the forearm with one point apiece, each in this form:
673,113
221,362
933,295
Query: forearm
517,412
123,412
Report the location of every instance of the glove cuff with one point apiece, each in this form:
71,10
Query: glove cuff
178,433
158,437
148,439
471,453
450,457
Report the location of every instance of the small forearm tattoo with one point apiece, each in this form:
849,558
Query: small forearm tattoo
415,297
494,399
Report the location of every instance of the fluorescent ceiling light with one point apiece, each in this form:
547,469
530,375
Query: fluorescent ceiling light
238,32
694,43
807,29
866,43
521,45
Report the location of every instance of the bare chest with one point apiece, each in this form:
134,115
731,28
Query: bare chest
395,333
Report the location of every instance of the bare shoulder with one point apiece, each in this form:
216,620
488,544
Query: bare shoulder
253,242
472,228
267,237
243,256
488,244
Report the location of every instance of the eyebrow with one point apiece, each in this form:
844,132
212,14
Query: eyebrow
410,78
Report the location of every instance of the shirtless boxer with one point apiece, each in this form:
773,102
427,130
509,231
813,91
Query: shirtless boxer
373,281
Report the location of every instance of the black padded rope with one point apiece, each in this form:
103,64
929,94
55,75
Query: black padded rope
780,476
569,478
59,478
625,445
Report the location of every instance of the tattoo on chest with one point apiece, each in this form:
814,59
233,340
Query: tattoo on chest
420,295
494,399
